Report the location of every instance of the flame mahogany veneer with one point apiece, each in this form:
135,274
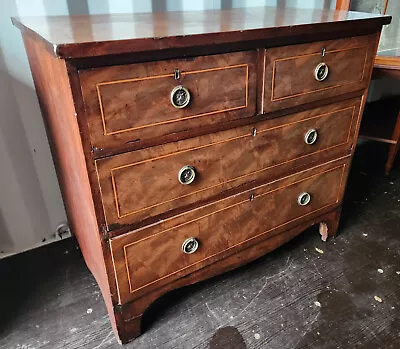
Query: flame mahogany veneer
104,85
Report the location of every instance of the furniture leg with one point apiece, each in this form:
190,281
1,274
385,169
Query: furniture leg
394,148
329,226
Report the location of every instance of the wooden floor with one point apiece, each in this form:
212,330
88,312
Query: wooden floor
295,297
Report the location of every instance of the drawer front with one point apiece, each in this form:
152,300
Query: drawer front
154,256
145,183
133,102
290,77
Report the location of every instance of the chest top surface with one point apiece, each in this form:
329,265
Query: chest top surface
95,35
189,143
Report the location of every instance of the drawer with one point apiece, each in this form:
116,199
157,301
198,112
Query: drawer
139,101
146,183
290,80
153,256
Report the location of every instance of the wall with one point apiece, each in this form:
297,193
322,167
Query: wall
30,200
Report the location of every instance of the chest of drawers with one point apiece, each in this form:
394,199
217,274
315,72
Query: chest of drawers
188,144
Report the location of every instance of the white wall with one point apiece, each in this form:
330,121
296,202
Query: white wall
30,200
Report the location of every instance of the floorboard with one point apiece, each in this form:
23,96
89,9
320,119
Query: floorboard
293,298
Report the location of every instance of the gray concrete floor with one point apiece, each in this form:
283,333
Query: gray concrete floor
295,297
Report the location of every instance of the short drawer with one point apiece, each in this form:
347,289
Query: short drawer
153,256
140,101
153,181
305,73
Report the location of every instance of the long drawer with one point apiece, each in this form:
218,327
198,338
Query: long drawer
156,255
150,182
305,73
139,101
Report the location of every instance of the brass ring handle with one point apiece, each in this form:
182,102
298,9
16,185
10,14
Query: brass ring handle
321,72
186,175
311,136
180,97
190,245
304,199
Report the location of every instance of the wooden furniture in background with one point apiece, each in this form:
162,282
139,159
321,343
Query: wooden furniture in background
362,5
375,126
343,5
387,65
188,144
381,122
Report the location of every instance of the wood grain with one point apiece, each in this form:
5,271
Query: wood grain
93,89
132,102
133,311
98,35
388,63
289,70
153,256
52,85
253,297
132,184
